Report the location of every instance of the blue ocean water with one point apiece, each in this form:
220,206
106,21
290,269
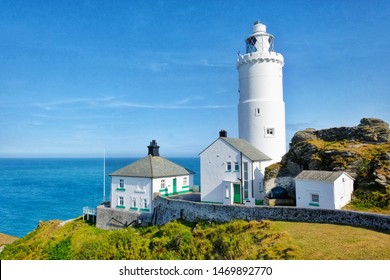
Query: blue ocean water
33,190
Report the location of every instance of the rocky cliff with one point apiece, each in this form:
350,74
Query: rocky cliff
363,151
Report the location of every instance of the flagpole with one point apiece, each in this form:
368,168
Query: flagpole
104,176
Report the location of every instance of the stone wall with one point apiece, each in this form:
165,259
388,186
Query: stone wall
109,218
167,210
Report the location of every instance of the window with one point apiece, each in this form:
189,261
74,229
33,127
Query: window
257,112
227,192
315,198
270,132
185,183
250,45
236,167
144,203
271,44
121,183
140,189
133,203
121,201
228,166
246,181
162,184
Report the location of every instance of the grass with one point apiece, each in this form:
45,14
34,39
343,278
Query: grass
176,240
335,242
365,150
375,210
204,240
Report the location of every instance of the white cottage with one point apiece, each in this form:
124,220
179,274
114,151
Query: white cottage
323,189
232,172
132,186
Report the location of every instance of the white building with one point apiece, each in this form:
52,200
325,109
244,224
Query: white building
323,189
261,110
231,172
132,186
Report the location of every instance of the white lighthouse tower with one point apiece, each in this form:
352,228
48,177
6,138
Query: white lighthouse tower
261,113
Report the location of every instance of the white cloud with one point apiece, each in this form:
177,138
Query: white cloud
183,104
157,67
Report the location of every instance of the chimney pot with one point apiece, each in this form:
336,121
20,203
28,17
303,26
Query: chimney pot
223,133
153,149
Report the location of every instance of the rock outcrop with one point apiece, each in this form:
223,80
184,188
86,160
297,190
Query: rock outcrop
369,130
363,151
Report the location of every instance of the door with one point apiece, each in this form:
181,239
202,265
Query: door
237,193
174,186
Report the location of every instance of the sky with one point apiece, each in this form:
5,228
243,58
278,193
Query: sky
78,78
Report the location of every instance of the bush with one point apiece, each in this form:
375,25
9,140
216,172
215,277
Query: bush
59,251
366,199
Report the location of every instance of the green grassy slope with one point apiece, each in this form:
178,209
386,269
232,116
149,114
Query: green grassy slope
179,240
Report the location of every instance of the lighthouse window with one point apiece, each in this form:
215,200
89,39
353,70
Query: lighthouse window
271,44
270,132
250,45
257,112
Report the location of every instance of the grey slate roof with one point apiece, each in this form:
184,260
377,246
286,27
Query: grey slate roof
152,167
318,175
246,149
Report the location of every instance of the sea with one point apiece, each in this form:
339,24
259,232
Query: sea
37,189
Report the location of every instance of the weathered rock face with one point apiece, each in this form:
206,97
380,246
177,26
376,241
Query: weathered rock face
363,151
369,130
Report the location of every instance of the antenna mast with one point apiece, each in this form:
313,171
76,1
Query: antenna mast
104,176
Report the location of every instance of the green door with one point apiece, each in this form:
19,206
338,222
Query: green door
237,193
174,186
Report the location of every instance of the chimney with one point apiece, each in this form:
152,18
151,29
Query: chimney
153,149
223,133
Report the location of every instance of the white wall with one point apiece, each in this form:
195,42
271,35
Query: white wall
214,176
135,189
343,191
228,193
213,171
258,180
181,186
304,190
261,88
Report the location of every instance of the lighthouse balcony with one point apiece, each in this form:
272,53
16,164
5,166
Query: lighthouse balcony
260,57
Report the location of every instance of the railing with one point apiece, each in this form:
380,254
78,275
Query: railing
89,211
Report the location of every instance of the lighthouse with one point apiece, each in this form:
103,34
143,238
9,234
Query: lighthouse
261,110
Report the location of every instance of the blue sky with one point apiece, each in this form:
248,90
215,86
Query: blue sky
78,77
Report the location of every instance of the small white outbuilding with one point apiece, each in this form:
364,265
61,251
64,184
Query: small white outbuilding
323,189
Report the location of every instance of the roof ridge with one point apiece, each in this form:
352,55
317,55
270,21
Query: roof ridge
151,165
236,142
